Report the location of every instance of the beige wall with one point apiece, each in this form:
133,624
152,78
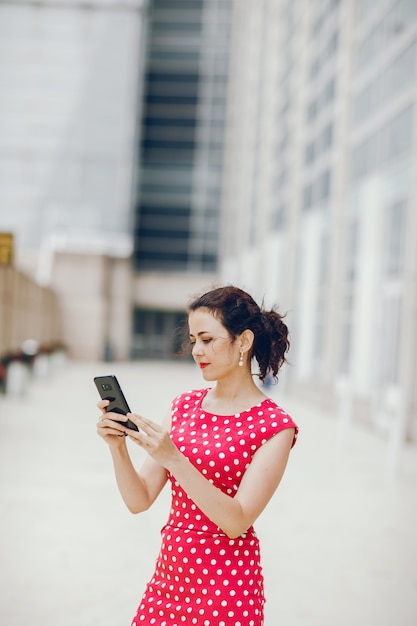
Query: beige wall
170,292
94,295
89,304
27,311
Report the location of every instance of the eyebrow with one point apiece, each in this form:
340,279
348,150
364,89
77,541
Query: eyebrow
202,332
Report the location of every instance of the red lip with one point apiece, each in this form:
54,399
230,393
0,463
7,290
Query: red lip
203,365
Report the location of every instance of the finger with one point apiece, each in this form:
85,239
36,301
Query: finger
147,425
116,417
112,431
102,423
138,437
111,425
135,418
137,434
102,404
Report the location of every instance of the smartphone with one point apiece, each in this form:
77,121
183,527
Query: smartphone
109,389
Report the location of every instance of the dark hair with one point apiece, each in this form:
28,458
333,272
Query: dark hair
238,311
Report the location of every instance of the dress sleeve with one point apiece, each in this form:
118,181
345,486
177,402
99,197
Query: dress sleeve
277,420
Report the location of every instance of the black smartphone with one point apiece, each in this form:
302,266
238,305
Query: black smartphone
109,389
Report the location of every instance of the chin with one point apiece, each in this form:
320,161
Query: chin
207,376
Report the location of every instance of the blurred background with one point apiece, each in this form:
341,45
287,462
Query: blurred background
151,150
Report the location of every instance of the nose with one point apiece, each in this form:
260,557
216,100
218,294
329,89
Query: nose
197,349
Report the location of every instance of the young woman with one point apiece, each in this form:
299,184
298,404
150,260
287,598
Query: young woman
224,449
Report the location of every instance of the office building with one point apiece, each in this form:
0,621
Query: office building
319,196
180,164
112,146
69,88
69,85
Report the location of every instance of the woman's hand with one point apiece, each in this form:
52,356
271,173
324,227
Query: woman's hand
111,426
153,438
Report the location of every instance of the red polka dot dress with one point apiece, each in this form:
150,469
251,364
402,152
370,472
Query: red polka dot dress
202,576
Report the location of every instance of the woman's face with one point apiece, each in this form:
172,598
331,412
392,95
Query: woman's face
213,349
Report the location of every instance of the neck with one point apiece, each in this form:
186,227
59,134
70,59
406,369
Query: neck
240,387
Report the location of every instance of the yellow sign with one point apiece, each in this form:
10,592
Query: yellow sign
6,248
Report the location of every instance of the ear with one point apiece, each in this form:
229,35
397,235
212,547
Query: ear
246,340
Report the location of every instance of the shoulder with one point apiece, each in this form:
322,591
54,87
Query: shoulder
274,419
188,400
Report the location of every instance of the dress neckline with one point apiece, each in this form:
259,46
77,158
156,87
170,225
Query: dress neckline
205,391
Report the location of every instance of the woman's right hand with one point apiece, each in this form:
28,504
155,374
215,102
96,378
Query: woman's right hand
110,426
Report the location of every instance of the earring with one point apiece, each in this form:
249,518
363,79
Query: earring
241,359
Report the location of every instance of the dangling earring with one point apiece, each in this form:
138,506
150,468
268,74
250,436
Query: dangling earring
241,359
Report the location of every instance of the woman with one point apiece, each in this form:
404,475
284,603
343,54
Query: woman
224,450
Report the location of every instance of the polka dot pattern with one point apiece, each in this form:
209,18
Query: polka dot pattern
203,577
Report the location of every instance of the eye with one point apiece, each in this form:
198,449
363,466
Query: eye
207,340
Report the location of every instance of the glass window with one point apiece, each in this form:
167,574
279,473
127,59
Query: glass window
371,46
352,244
315,68
384,88
158,245
333,44
407,11
307,196
278,218
175,84
179,4
170,27
312,110
309,154
325,185
327,136
329,91
157,334
396,137
364,8
394,249
400,73
352,250
320,334
364,157
398,19
345,347
390,330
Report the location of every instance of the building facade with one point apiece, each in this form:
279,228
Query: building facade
69,88
274,147
182,121
111,150
319,198
69,94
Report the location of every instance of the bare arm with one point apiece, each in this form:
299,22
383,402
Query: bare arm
235,514
139,489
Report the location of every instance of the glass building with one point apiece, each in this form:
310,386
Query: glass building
319,194
181,143
69,84
120,148
182,124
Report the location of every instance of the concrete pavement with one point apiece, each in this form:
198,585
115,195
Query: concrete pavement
339,539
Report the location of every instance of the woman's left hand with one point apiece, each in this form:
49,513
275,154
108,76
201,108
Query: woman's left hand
153,438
